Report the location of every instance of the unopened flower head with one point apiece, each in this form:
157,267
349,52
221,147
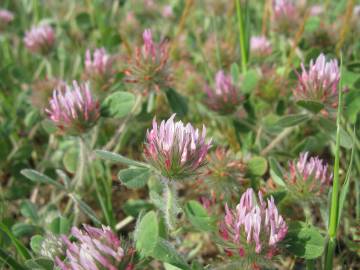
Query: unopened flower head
98,66
175,149
254,228
319,82
260,46
225,97
309,177
149,70
6,17
285,16
224,173
74,110
40,39
96,249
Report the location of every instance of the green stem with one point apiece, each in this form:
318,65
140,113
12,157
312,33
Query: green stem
241,36
334,209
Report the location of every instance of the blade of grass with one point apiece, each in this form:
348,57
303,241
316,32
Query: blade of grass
334,208
241,36
10,261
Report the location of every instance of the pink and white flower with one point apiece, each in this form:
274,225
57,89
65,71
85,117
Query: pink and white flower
225,97
6,17
260,46
175,149
253,227
99,64
309,176
285,15
95,249
319,82
74,110
40,39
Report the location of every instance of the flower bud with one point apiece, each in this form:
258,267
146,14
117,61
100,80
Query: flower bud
74,111
149,70
225,97
175,149
254,228
40,39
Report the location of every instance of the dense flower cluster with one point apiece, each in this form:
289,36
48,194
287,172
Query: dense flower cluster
52,246
74,110
98,66
96,249
149,70
175,149
309,176
39,39
320,82
253,227
285,16
225,97
260,46
6,17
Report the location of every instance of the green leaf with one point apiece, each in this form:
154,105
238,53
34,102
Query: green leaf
49,126
23,229
60,225
83,20
119,158
147,234
165,252
312,24
134,177
40,178
257,166
10,261
235,71
70,159
312,106
28,209
250,80
118,104
304,241
276,172
292,120
35,243
134,207
25,254
86,209
199,217
41,263
177,102
330,129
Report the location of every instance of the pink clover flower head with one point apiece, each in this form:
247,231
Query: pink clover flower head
254,227
319,82
225,97
6,17
260,46
40,39
176,150
285,16
98,64
309,175
149,69
95,249
74,110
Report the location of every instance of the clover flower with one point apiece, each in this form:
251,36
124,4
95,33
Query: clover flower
149,70
6,17
52,246
285,16
309,176
320,82
39,39
260,46
253,229
175,149
96,249
74,110
225,97
98,65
